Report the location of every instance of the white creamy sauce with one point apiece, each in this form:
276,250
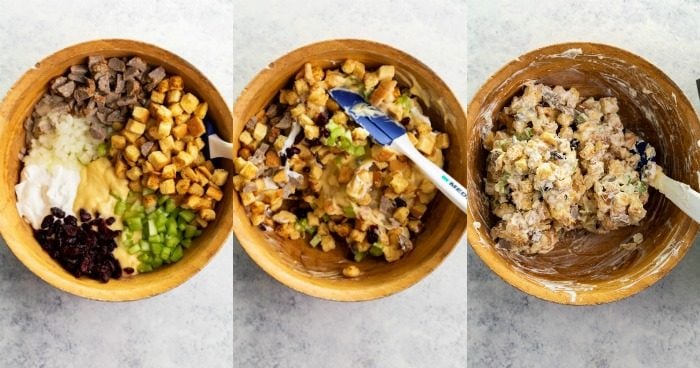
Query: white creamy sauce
41,188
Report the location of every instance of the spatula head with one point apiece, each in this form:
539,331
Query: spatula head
380,126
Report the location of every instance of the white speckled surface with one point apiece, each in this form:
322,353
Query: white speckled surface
423,326
190,326
659,327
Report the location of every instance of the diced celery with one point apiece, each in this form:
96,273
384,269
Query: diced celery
187,215
147,191
145,246
170,205
165,253
143,268
162,199
316,240
101,149
190,230
157,262
376,250
186,243
171,242
197,233
172,227
157,238
120,208
156,248
349,211
177,254
359,256
134,224
134,249
144,257
152,230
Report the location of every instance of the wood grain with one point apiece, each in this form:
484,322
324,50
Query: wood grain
17,106
311,271
586,268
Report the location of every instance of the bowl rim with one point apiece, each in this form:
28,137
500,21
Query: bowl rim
19,249
307,286
517,279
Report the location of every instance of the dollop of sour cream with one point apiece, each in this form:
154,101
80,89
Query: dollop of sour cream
41,188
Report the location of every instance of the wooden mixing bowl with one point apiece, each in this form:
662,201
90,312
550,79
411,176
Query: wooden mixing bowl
310,270
586,268
15,109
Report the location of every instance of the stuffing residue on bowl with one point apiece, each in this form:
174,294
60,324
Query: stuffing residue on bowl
562,162
306,170
114,181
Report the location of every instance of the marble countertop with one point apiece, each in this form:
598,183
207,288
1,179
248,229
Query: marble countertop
420,327
190,326
659,327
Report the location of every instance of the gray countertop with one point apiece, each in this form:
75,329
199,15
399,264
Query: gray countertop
190,326
659,327
423,326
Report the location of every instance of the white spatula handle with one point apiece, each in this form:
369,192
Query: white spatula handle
220,148
681,194
453,190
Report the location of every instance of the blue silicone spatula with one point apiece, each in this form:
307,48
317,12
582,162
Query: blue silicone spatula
215,145
387,132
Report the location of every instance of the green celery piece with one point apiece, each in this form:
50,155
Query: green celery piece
172,227
186,215
172,241
181,226
316,240
101,149
156,248
170,205
145,246
359,256
134,249
144,258
186,243
197,233
311,230
377,249
349,211
157,262
177,254
120,208
152,230
190,230
157,238
162,200
134,224
148,191
165,253
143,268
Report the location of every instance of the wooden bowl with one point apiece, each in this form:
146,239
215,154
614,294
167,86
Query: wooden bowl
310,270
17,106
585,268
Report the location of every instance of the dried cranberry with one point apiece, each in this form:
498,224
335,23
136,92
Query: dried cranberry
373,234
283,158
84,215
399,202
405,121
70,230
110,221
325,133
322,119
291,151
71,220
128,270
57,212
47,222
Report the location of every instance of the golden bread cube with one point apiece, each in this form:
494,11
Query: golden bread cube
176,82
157,97
150,201
164,128
120,169
214,193
134,173
183,159
167,186
132,153
259,132
180,131
140,114
163,86
158,159
152,182
195,126
192,201
201,110
386,72
219,177
189,103
175,109
166,144
207,214
118,141
173,96
182,186
163,113
135,126
169,171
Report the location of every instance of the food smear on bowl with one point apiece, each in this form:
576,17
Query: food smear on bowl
306,170
115,181
562,162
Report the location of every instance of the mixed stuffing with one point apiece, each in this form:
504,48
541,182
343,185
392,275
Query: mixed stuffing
306,170
562,162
